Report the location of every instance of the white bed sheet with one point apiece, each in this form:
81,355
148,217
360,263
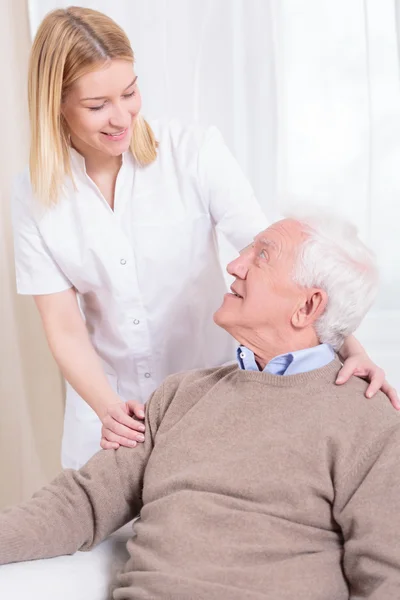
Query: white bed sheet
82,576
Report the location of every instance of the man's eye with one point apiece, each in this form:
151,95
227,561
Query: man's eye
263,254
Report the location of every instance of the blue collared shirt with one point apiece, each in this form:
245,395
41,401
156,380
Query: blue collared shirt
291,363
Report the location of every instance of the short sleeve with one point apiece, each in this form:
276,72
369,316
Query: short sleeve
36,270
229,195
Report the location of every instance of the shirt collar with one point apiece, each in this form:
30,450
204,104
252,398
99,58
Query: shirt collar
290,363
78,160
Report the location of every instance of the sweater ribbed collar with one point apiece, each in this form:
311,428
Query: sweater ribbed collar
326,374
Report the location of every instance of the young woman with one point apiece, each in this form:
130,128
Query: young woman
115,233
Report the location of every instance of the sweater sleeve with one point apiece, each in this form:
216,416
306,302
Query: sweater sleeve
366,510
80,508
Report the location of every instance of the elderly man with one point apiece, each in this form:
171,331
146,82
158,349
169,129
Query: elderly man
260,480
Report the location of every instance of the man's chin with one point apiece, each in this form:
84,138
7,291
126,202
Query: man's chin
223,318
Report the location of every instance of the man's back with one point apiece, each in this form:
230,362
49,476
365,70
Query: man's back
259,486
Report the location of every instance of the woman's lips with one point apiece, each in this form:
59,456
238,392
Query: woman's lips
115,137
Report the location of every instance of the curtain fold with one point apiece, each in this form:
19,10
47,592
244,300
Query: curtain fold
31,396
338,98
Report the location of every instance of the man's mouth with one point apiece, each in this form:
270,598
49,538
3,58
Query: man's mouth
234,292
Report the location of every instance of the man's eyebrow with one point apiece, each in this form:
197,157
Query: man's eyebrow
259,240
246,247
265,242
104,97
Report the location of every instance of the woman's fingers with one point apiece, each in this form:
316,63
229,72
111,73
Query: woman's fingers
106,445
392,394
377,380
121,429
345,372
130,428
136,408
374,374
111,424
118,414
113,438
376,377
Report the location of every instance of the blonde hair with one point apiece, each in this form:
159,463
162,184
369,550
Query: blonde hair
70,43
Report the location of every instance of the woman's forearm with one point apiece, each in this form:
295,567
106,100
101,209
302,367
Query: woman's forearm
73,350
350,347
81,367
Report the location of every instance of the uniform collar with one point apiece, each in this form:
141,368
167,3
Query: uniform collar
79,163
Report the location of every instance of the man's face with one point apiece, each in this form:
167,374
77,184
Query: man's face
264,296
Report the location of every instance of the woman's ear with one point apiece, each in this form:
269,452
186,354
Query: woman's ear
310,308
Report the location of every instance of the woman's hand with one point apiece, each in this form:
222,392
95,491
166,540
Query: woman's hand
361,365
119,426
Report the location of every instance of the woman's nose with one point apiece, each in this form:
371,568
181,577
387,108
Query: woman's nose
120,117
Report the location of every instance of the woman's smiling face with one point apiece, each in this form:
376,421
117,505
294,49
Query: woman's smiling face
101,107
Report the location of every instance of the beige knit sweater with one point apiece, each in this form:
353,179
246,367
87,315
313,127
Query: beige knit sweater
250,486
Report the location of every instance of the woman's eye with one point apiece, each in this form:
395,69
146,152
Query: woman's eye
129,95
96,107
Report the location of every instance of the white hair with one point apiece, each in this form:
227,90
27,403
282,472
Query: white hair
334,259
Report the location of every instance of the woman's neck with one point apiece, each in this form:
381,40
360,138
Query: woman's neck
97,162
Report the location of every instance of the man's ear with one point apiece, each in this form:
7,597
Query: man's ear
310,308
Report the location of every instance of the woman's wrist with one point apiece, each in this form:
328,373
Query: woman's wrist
102,408
350,347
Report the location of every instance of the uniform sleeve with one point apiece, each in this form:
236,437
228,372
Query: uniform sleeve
228,194
367,512
36,270
81,508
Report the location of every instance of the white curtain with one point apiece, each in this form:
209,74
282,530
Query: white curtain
307,96
31,396
339,133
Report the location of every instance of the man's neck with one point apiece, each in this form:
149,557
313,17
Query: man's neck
265,348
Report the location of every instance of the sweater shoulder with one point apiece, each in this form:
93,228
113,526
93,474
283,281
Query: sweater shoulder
204,379
184,390
350,402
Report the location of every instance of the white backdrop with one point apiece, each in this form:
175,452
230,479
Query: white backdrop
307,95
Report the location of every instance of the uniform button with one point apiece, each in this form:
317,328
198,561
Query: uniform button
242,355
122,261
136,322
147,375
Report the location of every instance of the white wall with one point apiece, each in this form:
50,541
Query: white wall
307,96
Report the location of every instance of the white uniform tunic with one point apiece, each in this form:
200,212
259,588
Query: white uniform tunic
148,273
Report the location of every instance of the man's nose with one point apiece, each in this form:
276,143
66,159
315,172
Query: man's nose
239,267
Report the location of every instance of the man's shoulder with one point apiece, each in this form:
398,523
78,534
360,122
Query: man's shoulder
347,406
366,435
200,378
182,391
